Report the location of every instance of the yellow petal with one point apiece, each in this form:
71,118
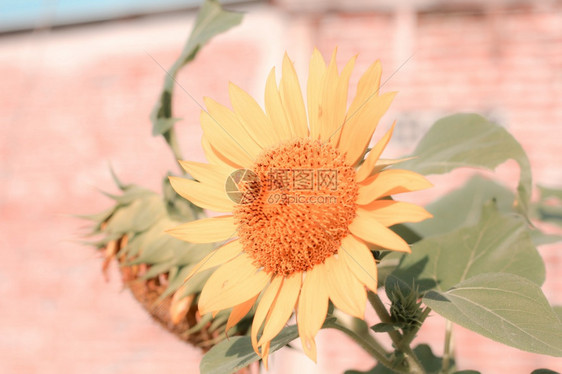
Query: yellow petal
390,182
315,87
283,307
312,308
233,283
206,196
206,230
265,354
344,289
227,135
264,305
180,306
367,167
328,100
383,163
367,90
360,261
239,312
217,257
335,102
359,127
207,173
367,87
275,109
291,96
215,157
390,212
256,123
370,230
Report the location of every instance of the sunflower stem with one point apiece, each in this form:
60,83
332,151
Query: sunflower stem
366,341
447,351
401,343
172,141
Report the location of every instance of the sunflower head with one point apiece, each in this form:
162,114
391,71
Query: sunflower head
304,205
298,232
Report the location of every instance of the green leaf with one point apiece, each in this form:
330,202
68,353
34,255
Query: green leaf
237,352
469,140
137,216
544,371
498,243
97,217
388,264
162,124
116,179
157,269
540,238
130,193
385,327
179,209
467,202
405,232
211,21
504,307
558,310
193,285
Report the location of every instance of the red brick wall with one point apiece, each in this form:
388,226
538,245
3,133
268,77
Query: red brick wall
75,99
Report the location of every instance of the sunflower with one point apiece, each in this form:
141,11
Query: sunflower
309,202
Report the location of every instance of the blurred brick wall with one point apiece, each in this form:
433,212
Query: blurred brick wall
74,99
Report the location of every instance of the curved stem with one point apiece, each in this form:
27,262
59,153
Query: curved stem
172,141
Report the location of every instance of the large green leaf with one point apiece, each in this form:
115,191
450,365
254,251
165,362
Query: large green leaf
237,352
498,243
463,207
469,140
504,307
558,310
468,202
211,21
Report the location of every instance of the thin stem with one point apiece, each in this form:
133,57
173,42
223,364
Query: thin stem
400,343
447,351
384,316
362,329
369,344
172,141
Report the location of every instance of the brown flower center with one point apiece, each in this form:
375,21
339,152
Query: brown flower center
300,206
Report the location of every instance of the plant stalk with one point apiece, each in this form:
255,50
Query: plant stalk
172,141
447,351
